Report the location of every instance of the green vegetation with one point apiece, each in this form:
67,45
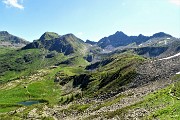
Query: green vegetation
75,61
36,81
24,90
8,107
79,108
171,106
4,50
15,64
49,36
112,76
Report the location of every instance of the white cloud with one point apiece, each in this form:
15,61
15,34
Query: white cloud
80,33
14,3
177,2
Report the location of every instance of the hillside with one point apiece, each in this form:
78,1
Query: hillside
119,86
7,39
61,77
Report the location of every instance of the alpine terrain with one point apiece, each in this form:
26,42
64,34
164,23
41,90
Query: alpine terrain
61,77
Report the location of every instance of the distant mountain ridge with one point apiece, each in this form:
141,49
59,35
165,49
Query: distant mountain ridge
121,39
158,45
7,39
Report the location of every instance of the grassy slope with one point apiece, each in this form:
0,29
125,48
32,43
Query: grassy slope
113,75
4,50
22,74
170,98
15,64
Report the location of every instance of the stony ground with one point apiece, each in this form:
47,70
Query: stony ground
134,95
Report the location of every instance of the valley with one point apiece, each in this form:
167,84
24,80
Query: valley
64,78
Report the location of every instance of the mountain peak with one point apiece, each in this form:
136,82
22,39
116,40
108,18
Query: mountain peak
4,33
69,35
49,36
119,33
140,35
161,34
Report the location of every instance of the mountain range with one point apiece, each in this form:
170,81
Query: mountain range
61,77
117,40
158,45
121,39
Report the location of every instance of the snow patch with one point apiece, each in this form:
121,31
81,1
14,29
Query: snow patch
178,54
178,73
140,44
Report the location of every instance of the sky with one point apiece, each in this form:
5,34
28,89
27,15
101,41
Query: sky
89,19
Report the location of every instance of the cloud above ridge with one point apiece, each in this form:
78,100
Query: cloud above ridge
14,3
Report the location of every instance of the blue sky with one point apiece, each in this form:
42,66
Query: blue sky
89,19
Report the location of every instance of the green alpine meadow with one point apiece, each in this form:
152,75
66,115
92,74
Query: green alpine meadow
89,60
